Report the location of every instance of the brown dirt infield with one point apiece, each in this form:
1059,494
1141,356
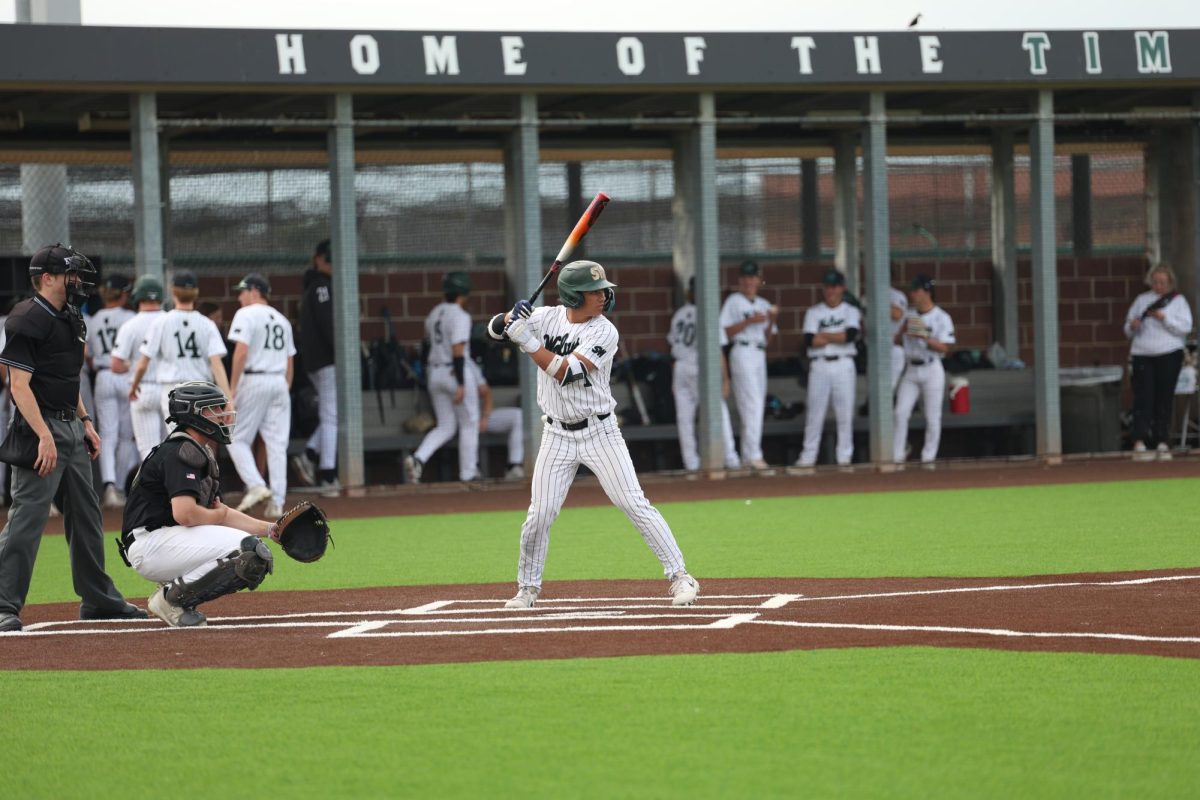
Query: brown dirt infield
1151,613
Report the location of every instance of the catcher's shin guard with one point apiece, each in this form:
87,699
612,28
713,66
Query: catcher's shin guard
246,568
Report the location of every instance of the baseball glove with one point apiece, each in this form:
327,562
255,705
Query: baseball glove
302,532
917,327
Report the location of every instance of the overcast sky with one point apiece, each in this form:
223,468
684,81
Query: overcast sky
638,15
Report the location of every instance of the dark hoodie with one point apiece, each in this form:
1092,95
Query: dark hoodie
316,321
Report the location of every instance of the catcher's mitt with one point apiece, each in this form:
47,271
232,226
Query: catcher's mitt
303,532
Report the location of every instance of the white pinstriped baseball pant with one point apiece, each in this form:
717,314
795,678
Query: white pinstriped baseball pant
149,427
114,422
264,407
601,448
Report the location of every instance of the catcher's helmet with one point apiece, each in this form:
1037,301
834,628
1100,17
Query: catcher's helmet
456,283
147,288
60,259
186,404
585,276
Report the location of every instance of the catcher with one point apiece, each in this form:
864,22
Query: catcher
177,532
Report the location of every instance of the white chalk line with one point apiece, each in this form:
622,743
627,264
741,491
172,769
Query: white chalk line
438,611
995,588
1003,632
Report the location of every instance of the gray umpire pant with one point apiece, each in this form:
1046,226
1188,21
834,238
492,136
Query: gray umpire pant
31,497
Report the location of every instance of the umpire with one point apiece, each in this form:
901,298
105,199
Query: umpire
44,351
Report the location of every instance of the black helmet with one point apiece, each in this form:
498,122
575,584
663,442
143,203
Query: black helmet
186,404
456,283
60,259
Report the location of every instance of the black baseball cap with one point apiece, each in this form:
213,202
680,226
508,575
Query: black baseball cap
254,281
115,281
56,259
323,249
923,281
749,268
185,280
833,278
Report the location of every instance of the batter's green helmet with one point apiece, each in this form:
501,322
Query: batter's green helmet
147,288
456,283
585,276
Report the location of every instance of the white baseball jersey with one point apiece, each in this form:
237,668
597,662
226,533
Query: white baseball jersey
447,325
268,338
596,340
1158,337
129,342
102,328
940,327
182,342
838,319
682,335
738,307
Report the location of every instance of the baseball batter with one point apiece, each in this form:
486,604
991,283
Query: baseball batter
455,397
186,345
176,531
500,420
119,455
928,334
830,330
572,345
145,412
263,354
748,321
685,385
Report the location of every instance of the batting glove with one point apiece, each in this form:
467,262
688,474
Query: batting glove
521,310
521,334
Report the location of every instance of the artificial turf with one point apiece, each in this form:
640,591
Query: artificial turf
964,532
895,722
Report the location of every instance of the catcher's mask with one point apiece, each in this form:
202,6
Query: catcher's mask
585,276
62,259
188,402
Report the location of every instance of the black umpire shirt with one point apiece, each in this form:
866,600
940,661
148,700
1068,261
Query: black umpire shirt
316,321
176,467
48,343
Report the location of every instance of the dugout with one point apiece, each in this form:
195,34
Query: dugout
1034,173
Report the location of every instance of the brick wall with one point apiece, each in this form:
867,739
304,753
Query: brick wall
1094,294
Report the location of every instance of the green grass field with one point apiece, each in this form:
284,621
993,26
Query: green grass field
894,722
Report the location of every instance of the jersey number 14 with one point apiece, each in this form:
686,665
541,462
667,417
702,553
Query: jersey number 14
187,347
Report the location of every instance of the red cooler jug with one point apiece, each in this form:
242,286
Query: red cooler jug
960,396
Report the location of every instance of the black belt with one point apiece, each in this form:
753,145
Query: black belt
576,426
917,363
827,358
62,416
261,372
752,344
102,369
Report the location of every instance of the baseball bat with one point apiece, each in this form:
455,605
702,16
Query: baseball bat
590,215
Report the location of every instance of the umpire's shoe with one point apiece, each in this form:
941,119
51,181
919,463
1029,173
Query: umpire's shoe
128,611
9,622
